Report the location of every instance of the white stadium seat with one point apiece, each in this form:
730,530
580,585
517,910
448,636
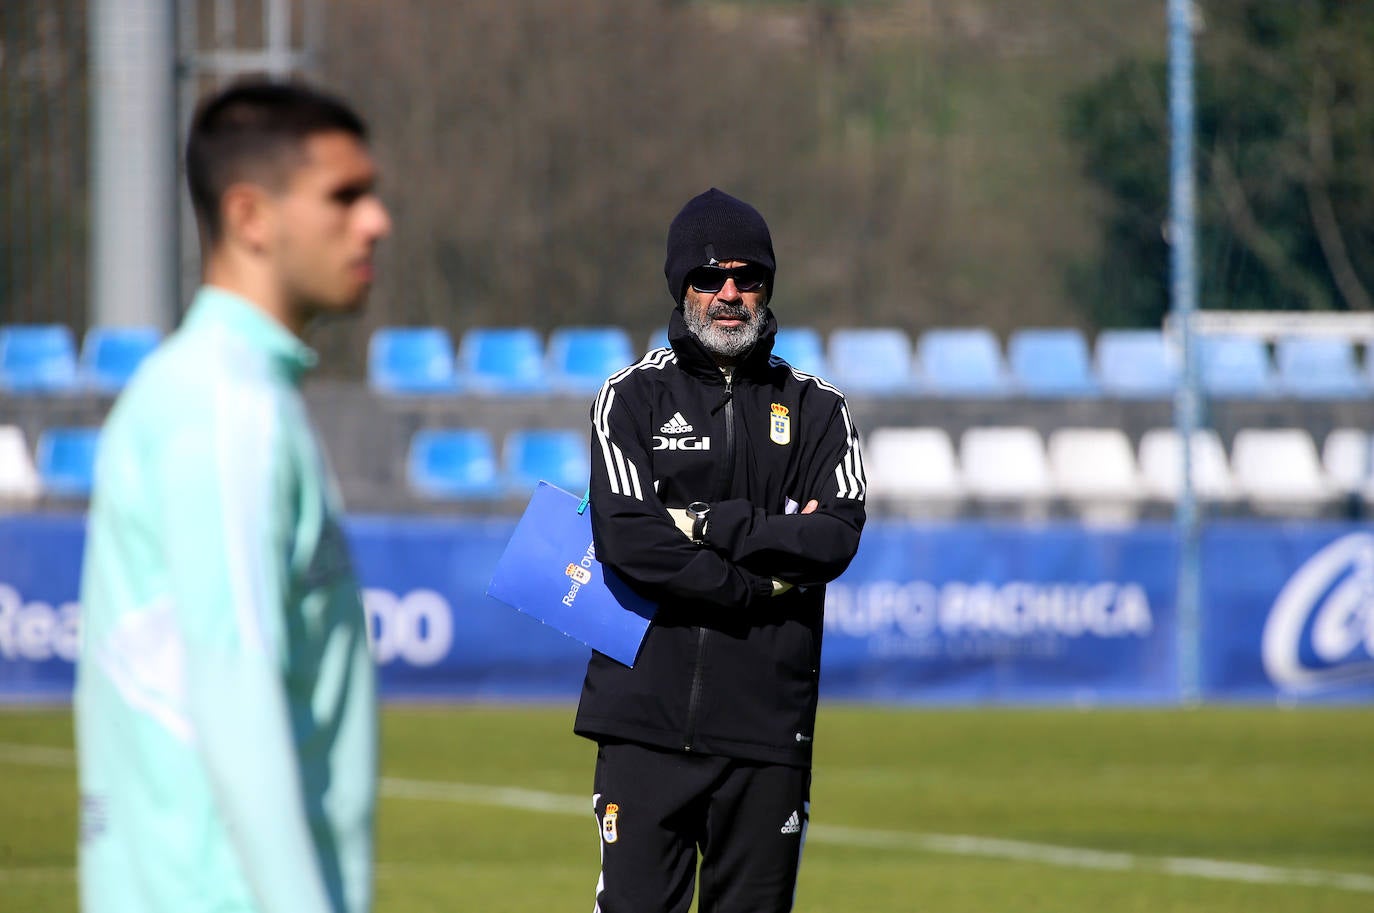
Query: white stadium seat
1279,471
18,476
1007,464
915,468
1348,458
1095,469
1161,465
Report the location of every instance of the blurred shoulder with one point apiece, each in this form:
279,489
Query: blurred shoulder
203,379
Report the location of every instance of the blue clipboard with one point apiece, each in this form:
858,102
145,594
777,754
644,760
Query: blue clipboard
549,571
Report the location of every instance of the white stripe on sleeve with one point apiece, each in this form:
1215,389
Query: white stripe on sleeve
621,472
849,472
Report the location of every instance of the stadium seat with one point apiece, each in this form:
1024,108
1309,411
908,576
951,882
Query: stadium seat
1279,471
1136,363
558,456
1319,367
874,360
19,480
502,360
914,468
581,358
110,355
1348,459
1095,469
962,362
1161,465
66,460
37,358
802,348
1051,362
1234,366
458,464
1006,464
410,360
658,339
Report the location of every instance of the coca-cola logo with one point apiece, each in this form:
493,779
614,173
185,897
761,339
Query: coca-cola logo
1320,632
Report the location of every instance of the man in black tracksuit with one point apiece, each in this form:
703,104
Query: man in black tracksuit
729,488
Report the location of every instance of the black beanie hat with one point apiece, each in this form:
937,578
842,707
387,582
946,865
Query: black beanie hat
715,227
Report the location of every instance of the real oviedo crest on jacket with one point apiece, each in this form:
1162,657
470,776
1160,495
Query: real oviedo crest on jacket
780,425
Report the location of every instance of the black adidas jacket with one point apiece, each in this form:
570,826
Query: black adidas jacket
726,667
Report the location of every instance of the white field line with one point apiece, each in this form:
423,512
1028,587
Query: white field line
534,800
531,800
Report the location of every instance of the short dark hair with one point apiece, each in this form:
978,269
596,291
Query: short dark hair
254,129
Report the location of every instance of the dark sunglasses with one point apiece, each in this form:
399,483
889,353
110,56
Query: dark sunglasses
710,279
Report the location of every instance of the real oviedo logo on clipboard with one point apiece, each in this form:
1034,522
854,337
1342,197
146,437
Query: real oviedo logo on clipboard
549,571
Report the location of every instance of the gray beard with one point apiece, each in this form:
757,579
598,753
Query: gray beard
721,341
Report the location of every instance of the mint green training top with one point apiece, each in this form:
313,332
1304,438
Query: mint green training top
225,695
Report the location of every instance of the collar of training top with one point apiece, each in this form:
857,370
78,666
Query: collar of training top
213,305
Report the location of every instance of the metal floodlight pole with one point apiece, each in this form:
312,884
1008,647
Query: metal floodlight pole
199,68
133,162
142,96
1183,294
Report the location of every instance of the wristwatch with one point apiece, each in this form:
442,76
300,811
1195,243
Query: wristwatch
696,512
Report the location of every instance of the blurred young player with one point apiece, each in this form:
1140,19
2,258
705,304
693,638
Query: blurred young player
225,699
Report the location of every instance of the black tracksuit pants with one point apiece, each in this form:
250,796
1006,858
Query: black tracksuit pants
655,808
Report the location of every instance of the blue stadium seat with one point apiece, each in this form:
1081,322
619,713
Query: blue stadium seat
410,360
109,355
963,361
1234,366
66,460
459,464
1136,363
502,360
658,339
37,358
581,358
558,456
874,360
1318,367
802,348
1051,362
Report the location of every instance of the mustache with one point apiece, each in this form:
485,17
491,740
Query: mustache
728,311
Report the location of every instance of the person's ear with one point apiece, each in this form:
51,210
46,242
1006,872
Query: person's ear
247,213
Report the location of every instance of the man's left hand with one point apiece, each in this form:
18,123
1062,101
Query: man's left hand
681,520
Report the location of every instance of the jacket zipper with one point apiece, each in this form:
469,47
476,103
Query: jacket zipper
694,699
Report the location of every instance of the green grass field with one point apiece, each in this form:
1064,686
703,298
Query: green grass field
947,811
